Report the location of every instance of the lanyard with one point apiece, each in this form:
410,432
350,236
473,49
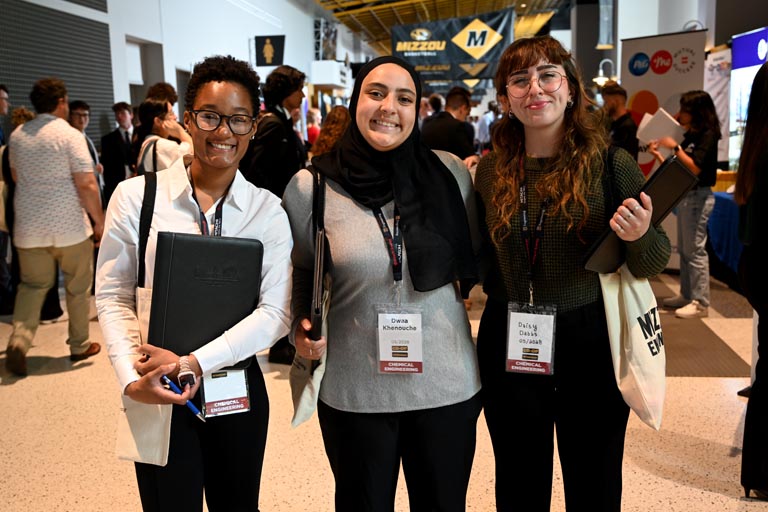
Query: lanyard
394,243
217,216
531,240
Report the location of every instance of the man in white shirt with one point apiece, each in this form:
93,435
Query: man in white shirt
55,192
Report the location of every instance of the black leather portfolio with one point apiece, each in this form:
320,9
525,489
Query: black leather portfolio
666,187
203,285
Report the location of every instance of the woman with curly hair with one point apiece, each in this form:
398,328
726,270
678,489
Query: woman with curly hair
545,197
334,126
177,456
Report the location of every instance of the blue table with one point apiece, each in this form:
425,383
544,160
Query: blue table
724,230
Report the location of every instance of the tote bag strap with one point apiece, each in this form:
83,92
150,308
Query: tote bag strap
145,222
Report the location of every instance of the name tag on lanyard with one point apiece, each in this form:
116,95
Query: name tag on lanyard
399,328
531,328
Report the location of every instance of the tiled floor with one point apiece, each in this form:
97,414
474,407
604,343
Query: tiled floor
56,452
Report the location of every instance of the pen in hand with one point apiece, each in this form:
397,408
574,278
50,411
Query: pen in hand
189,403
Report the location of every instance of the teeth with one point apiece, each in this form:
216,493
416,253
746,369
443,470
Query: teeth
221,146
385,123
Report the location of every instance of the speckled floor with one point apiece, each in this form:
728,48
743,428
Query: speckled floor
57,426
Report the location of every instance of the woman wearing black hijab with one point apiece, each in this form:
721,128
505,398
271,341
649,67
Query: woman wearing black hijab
401,380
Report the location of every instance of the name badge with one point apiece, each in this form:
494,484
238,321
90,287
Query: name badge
400,339
225,392
531,339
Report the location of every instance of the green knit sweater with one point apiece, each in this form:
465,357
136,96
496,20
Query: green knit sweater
559,276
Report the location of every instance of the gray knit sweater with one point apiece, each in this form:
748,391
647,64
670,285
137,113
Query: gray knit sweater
361,272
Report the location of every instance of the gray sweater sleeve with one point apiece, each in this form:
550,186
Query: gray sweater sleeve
297,202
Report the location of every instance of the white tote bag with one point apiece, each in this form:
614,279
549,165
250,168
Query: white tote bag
637,344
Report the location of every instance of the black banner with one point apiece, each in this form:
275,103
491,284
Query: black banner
269,50
457,48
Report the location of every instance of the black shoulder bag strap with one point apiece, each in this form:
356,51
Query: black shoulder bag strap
321,248
145,222
141,169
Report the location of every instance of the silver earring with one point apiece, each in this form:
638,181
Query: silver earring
510,115
569,103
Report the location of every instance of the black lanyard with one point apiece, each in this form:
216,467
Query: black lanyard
394,243
217,216
531,240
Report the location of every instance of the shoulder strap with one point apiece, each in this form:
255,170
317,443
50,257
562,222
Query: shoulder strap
145,222
318,199
152,146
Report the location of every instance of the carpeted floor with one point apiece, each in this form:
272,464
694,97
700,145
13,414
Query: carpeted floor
693,349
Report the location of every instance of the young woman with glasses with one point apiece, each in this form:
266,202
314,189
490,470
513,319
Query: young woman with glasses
178,457
543,202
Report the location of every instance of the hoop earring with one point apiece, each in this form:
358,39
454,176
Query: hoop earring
569,103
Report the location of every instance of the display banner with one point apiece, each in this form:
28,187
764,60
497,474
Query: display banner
269,50
717,82
749,51
457,48
657,70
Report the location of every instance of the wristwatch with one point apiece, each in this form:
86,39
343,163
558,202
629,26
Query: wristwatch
186,375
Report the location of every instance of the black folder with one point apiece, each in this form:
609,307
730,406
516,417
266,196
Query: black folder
203,285
666,187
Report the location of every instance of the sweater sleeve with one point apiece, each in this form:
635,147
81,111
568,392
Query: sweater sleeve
648,255
297,202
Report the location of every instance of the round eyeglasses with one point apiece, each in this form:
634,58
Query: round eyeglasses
208,121
549,81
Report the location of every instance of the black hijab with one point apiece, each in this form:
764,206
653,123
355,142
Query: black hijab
433,217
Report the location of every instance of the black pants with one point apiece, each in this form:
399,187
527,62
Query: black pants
224,456
437,447
581,401
753,278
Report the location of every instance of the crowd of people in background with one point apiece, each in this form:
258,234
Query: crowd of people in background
461,193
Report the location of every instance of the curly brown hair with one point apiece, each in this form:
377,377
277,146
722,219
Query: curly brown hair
579,151
333,127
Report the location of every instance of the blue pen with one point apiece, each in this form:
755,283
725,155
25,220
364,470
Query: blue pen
189,403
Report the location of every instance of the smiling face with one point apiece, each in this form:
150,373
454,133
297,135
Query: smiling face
539,109
220,149
386,108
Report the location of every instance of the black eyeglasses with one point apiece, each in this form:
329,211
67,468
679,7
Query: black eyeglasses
208,121
549,81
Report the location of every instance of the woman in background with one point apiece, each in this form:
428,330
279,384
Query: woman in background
152,144
334,126
698,152
752,195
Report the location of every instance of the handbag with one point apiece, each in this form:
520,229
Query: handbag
634,329
637,343
306,375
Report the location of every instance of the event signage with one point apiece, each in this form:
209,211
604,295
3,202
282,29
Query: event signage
457,48
657,70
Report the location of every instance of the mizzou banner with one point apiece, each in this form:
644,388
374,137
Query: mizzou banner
455,49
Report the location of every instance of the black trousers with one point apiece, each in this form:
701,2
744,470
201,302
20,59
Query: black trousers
581,402
436,446
753,278
224,456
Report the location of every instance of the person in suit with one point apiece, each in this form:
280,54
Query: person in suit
116,150
449,130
